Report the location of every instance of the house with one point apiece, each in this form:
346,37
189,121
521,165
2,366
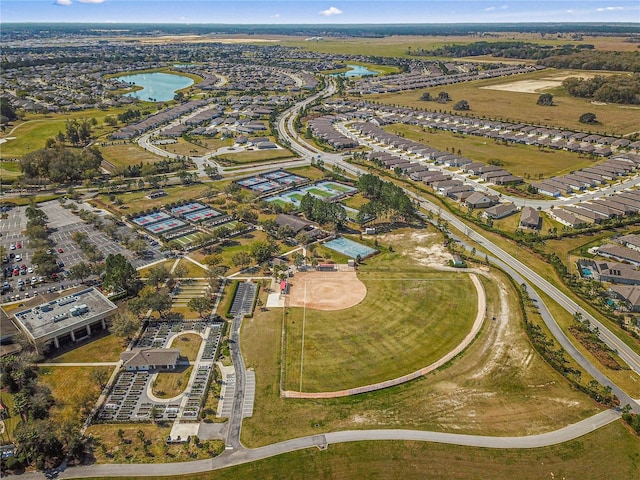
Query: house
142,358
481,200
500,211
568,218
529,218
620,253
457,261
630,241
616,273
629,294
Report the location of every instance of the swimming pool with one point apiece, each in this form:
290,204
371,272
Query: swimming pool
586,272
349,248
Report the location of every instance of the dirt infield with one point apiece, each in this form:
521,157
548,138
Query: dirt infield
326,290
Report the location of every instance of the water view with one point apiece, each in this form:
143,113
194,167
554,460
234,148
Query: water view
156,87
356,71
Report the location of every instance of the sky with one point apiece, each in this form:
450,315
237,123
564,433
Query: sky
318,12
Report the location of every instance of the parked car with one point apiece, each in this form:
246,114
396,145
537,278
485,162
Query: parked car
60,250
19,245
12,246
18,258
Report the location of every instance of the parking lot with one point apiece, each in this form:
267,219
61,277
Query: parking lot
63,223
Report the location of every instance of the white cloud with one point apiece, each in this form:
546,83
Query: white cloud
609,9
91,1
331,11
569,11
491,9
63,3
275,15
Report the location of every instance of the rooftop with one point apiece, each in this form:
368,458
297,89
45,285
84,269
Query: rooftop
77,308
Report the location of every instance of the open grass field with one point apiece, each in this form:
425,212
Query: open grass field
193,270
526,161
397,45
251,156
172,383
109,448
136,201
189,344
431,461
73,389
406,321
9,171
122,155
11,421
32,132
498,386
232,246
182,147
521,106
105,348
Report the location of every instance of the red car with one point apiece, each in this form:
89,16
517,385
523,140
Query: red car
19,245
60,250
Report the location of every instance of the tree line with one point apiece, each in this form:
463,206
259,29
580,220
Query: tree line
62,165
386,199
596,60
523,50
610,89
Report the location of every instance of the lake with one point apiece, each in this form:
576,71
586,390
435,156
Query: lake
356,71
156,87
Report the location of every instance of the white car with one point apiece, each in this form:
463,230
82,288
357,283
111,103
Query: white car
18,258
12,246
30,270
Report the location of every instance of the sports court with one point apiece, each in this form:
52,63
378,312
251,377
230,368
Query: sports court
165,226
350,248
183,210
201,215
151,218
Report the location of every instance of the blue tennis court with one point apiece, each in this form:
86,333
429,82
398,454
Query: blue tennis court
275,175
349,248
155,217
202,215
188,208
165,226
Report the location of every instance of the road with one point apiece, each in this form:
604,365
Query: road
515,266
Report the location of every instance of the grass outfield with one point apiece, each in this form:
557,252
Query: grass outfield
433,461
517,106
520,160
498,386
401,326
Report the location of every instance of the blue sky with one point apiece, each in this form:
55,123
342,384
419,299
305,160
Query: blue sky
318,12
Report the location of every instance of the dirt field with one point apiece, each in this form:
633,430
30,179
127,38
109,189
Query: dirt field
326,290
537,86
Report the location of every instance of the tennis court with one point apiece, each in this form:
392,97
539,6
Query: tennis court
187,240
349,248
276,175
251,181
165,226
266,186
182,210
202,215
154,217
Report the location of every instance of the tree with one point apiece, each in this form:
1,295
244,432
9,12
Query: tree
588,118
99,376
160,302
181,270
157,276
202,305
546,100
120,274
262,251
443,97
6,110
461,105
80,271
426,97
298,259
125,325
241,259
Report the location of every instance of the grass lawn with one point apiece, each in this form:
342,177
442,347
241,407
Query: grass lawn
250,156
193,270
9,171
523,160
312,173
136,201
498,386
168,264
401,326
182,147
128,154
11,421
105,348
519,106
73,389
189,344
169,384
433,461
109,448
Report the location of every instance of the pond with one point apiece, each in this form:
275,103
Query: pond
156,87
356,71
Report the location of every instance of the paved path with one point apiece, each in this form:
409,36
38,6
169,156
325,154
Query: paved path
477,324
79,364
322,441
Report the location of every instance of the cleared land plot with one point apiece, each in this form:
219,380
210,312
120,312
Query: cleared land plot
518,106
523,160
406,322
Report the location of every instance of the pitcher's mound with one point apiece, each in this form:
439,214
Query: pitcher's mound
326,290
